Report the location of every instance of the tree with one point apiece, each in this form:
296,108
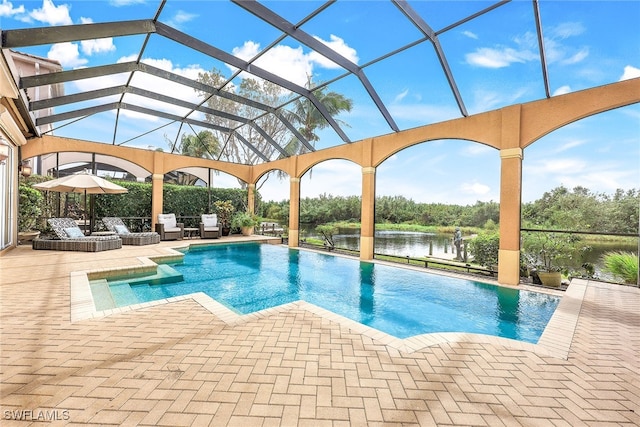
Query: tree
309,119
204,144
304,116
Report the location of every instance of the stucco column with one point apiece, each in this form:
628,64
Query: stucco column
367,213
294,212
510,214
157,181
251,198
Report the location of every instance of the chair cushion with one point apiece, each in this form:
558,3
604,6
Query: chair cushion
211,228
169,221
74,232
210,220
59,224
172,229
121,229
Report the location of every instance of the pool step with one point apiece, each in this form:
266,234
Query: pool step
108,294
123,294
102,297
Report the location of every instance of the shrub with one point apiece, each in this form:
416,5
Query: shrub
30,209
549,251
623,265
327,231
484,248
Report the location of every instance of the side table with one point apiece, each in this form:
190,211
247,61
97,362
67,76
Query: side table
190,232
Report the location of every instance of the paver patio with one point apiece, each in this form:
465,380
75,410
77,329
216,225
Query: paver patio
178,364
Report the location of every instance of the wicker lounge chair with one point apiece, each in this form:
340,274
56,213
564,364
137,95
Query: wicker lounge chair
168,228
209,227
116,225
71,238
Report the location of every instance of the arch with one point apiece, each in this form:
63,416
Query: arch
49,161
155,161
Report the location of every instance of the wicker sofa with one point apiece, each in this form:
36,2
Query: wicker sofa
71,238
116,225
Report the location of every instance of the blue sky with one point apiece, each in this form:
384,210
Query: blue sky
494,59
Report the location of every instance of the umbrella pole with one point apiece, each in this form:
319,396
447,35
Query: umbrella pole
85,212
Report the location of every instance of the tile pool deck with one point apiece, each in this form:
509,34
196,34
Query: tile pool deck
189,361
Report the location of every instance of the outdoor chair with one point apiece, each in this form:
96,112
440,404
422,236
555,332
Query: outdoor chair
117,226
209,227
168,228
71,238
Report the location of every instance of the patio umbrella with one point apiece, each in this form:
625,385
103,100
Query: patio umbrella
81,182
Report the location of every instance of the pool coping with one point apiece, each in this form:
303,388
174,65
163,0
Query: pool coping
554,342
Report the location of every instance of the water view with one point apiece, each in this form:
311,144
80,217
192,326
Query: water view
417,245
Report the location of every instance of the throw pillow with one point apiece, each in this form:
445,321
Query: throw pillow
122,229
210,220
168,220
74,232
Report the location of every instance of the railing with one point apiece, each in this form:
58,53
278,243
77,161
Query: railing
270,229
440,264
592,233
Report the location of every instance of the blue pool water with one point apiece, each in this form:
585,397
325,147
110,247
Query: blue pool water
401,302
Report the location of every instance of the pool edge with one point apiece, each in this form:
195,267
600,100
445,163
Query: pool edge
554,342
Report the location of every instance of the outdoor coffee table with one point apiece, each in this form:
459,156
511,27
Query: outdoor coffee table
190,232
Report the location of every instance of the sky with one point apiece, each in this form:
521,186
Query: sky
493,58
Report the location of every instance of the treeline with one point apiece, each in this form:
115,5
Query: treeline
578,210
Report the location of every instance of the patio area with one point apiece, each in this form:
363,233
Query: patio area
178,364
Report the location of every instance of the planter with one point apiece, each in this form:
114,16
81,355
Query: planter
27,236
226,231
552,279
246,231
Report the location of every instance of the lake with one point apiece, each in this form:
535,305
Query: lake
417,245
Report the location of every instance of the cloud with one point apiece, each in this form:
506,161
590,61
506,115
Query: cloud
604,180
526,49
474,188
7,9
498,57
566,30
485,100
181,17
292,63
630,73
474,150
470,34
562,90
67,54
569,145
89,47
337,44
120,3
151,83
287,62
551,167
51,14
399,97
576,57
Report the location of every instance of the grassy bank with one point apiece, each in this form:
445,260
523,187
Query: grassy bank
411,227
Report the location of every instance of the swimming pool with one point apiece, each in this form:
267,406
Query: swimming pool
249,277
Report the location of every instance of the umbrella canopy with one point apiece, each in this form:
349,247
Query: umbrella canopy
81,182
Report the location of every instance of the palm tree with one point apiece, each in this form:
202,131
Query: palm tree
204,145
309,119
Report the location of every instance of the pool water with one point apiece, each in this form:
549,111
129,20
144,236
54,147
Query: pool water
250,277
